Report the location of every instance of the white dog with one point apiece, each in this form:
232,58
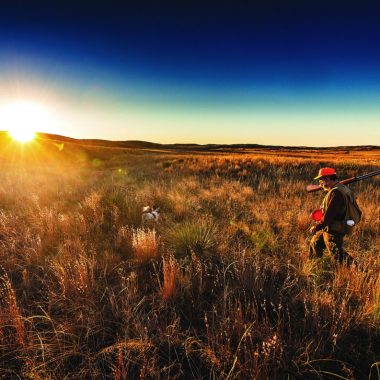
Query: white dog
150,214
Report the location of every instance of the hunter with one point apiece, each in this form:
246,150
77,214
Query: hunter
330,231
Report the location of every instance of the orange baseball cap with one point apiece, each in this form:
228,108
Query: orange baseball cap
325,172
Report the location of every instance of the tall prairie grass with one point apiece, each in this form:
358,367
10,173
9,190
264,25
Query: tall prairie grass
220,288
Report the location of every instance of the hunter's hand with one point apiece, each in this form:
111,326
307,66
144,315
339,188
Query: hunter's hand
313,230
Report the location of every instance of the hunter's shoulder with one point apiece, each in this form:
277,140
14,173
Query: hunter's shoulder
336,190
343,189
336,193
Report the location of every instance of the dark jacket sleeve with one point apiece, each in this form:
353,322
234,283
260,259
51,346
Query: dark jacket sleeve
334,211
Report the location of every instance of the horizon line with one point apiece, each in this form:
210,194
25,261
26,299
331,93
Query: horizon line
256,145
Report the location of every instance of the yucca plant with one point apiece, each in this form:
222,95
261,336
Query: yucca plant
194,236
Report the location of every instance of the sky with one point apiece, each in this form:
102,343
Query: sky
275,73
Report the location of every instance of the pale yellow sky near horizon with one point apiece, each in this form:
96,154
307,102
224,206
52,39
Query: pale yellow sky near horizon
95,114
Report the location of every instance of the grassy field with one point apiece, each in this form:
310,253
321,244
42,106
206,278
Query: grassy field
220,288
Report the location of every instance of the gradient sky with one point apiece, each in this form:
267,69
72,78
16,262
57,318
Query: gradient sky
283,73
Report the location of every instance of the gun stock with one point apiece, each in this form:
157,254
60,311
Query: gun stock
312,188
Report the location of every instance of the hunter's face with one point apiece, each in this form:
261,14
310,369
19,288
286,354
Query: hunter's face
326,183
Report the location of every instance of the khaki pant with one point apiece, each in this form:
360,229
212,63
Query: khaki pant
333,243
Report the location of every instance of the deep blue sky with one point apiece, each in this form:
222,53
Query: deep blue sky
200,73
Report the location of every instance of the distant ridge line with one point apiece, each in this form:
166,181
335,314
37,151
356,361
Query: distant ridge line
137,144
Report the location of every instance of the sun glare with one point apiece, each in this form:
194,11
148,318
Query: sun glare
22,135
23,118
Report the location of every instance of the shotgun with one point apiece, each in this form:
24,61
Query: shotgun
312,188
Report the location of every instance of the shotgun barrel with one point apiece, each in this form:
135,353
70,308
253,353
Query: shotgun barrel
312,188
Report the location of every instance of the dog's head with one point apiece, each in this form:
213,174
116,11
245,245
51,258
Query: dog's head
147,209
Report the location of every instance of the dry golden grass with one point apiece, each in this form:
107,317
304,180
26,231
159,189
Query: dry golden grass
171,273
220,288
145,244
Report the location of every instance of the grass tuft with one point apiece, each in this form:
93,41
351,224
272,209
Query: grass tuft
145,244
198,236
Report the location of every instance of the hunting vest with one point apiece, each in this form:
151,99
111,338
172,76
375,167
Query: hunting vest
338,225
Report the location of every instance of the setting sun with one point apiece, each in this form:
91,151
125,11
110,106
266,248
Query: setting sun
22,135
23,118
